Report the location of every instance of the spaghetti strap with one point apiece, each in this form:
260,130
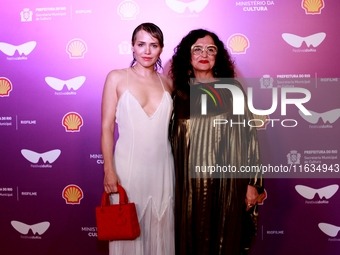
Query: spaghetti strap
127,78
161,81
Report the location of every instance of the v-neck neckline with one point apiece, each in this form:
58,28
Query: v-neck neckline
147,115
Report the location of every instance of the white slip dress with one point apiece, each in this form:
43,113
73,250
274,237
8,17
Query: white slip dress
144,164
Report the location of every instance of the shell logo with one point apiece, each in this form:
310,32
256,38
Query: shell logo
128,10
72,122
238,44
313,6
72,194
76,48
5,87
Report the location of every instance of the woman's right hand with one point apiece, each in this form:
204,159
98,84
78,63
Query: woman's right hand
110,182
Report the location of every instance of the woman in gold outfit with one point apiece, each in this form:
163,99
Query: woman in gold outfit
215,212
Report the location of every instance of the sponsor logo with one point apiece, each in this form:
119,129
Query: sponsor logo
34,157
72,194
83,11
128,10
296,41
179,6
309,193
329,229
76,48
72,122
238,44
293,157
5,87
22,228
50,13
98,157
329,116
6,192
124,47
266,81
313,6
91,231
253,6
25,48
26,15
329,79
58,84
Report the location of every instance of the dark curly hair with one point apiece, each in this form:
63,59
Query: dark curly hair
181,69
155,32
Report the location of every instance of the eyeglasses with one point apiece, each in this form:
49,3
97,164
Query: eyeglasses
198,49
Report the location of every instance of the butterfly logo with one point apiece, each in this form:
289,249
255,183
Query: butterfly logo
10,49
330,116
309,193
178,6
23,228
296,41
58,84
329,229
33,157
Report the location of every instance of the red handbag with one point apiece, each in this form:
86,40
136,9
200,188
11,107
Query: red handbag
117,221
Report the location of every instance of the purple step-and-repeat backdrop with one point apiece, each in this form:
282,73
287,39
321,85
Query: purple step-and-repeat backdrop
54,57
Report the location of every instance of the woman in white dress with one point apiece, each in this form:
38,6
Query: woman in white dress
138,100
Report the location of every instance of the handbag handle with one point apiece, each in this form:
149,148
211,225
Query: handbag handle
123,199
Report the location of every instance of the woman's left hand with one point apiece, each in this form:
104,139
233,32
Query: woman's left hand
251,197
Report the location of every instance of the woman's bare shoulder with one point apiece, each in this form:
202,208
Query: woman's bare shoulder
116,77
167,81
117,74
